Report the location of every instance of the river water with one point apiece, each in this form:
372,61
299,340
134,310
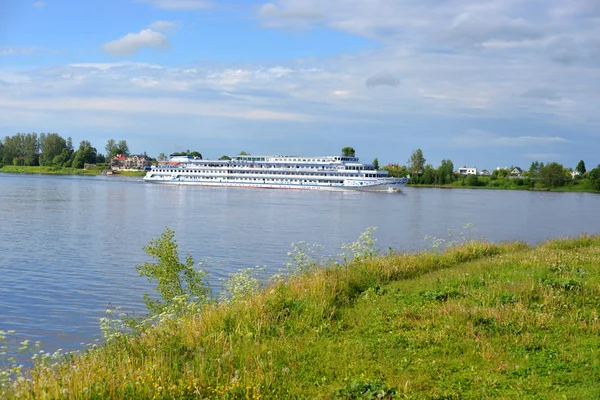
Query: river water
69,244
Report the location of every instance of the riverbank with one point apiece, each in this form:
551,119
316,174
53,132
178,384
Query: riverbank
479,320
63,171
580,188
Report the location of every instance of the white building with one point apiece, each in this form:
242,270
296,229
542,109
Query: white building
467,171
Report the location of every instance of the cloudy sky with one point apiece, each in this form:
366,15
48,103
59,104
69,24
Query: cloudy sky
484,83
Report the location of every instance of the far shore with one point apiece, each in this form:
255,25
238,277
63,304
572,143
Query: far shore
523,188
66,171
101,171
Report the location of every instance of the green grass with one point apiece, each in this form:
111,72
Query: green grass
63,171
48,170
477,321
577,185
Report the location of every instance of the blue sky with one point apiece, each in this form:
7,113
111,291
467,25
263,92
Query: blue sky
484,83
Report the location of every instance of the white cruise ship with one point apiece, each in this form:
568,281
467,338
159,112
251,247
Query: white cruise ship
276,172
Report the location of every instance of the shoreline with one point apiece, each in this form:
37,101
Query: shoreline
558,189
41,170
412,325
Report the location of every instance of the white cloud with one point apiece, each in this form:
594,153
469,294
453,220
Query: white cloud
39,4
144,81
132,42
478,138
163,26
8,51
150,106
179,4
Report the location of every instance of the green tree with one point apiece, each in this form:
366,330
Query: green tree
224,157
472,180
395,170
162,157
429,176
173,277
122,147
111,148
552,175
580,167
594,177
446,172
31,149
52,146
62,159
376,163
243,153
348,152
86,154
416,164
195,154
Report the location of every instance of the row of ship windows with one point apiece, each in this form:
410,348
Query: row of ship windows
272,173
319,167
266,180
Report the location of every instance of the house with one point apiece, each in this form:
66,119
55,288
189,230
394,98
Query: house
467,171
118,161
574,174
134,162
485,172
516,172
138,161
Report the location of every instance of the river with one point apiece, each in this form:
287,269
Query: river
69,244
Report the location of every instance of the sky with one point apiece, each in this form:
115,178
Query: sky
484,83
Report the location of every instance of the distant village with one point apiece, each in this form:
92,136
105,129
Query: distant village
515,172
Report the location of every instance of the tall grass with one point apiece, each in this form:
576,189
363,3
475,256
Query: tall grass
478,320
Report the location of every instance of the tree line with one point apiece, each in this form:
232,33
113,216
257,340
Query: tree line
538,176
51,149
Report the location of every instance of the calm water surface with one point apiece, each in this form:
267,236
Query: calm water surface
69,244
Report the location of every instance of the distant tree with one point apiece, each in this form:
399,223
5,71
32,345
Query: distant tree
594,177
376,163
429,175
534,169
162,157
111,148
552,175
70,143
224,157
188,153
580,167
243,153
395,170
122,147
62,159
100,158
348,152
446,172
500,173
472,180
52,146
85,154
416,164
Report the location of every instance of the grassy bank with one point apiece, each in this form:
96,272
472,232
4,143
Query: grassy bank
479,320
583,186
63,171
